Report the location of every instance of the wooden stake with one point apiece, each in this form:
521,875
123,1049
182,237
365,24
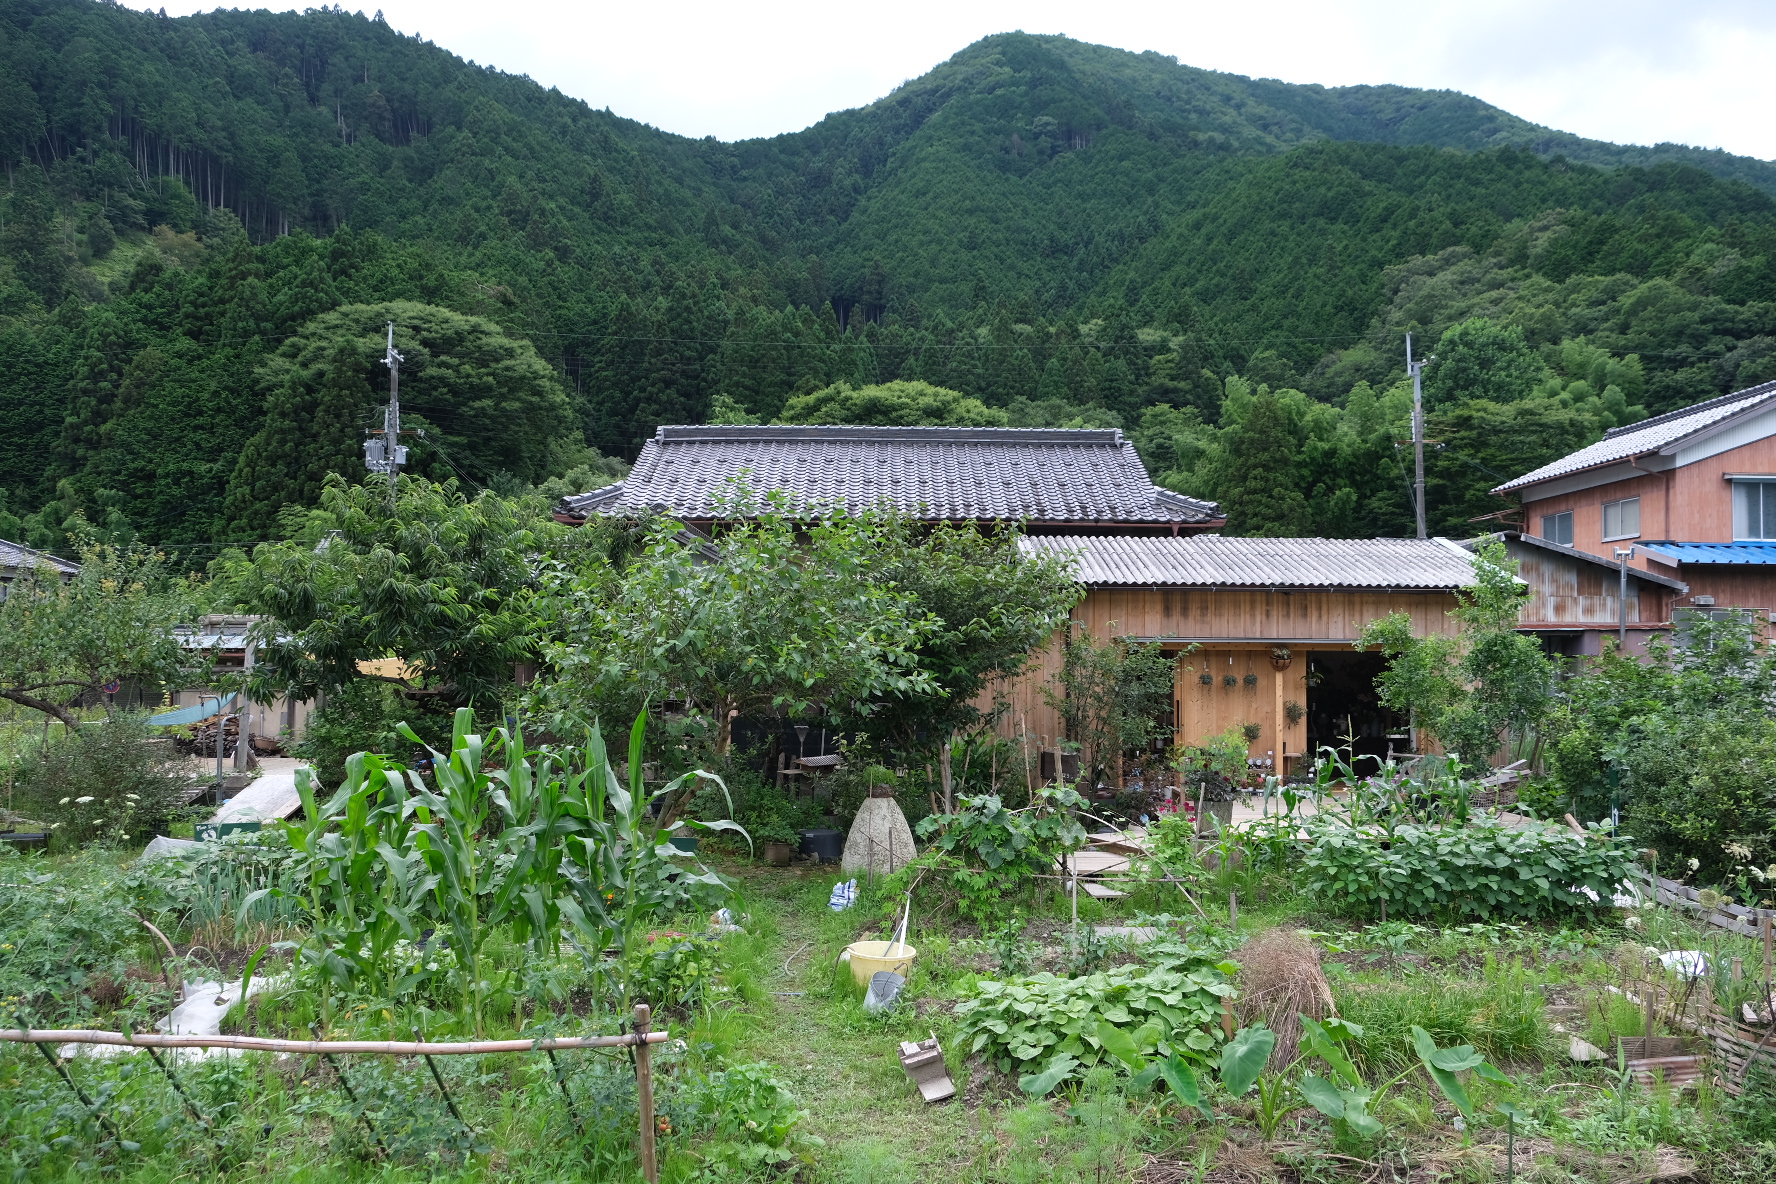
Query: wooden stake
644,1093
1227,1028
1233,909
1652,996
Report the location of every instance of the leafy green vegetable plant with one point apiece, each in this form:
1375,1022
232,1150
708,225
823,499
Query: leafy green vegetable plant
1000,848
1483,868
1048,1028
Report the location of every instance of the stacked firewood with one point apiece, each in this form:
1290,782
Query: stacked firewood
203,738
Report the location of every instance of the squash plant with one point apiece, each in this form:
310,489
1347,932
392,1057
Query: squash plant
1051,1028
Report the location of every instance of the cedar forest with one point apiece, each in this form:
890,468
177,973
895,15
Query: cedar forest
208,220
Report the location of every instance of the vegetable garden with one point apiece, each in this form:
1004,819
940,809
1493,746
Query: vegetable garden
491,946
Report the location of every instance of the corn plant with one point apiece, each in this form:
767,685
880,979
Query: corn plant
544,840
617,866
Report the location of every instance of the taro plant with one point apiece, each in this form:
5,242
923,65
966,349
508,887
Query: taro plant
1344,1097
1240,1064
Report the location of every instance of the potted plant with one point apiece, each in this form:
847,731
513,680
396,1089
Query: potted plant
778,837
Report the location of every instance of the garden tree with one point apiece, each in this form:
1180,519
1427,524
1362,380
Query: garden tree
776,616
1112,698
430,594
484,401
64,638
892,404
990,609
1680,741
1480,359
1479,689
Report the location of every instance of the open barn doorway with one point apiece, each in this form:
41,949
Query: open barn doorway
1342,702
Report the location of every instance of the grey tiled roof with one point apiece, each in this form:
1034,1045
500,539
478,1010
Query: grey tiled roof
13,556
1208,560
1662,433
1038,475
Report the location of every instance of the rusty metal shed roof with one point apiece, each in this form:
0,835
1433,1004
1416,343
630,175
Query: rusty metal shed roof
1208,560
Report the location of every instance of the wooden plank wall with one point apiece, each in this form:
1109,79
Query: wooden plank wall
1235,630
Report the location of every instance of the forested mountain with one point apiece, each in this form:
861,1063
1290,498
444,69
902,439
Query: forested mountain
208,219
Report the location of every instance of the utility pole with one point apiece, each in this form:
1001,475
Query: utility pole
1416,369
387,455
1622,557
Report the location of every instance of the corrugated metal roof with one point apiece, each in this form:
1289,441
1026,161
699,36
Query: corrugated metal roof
1196,561
1658,434
13,556
1742,553
1578,556
1037,475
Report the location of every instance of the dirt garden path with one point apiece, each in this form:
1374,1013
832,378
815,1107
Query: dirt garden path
842,1063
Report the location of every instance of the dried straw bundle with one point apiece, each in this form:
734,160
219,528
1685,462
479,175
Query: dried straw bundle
1280,980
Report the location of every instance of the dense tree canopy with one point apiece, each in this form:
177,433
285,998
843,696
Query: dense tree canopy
893,405
1063,234
474,397
430,593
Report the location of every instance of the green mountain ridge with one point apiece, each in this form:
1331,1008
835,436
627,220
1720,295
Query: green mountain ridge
1068,232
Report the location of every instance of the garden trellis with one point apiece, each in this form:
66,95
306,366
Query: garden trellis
641,1038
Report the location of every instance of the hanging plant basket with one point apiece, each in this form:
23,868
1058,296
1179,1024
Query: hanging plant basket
1207,679
1251,680
1228,680
1280,657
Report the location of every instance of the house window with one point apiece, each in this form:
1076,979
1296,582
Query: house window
1754,509
1621,520
1558,528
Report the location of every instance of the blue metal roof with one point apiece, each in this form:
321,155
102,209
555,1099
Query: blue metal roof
1745,552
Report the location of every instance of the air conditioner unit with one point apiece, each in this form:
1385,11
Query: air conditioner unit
1702,601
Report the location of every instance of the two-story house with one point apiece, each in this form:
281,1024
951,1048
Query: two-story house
1688,497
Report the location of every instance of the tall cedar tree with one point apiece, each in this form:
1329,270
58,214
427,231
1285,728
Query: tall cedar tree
1259,496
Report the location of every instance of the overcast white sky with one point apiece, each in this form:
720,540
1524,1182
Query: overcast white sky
1632,71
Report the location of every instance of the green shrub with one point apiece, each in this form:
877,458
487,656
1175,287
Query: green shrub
999,849
676,972
1485,869
758,805
1697,786
61,932
1023,1024
754,1119
363,718
107,783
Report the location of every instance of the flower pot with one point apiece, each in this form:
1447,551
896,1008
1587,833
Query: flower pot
778,854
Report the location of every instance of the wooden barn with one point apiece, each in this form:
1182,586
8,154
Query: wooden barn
1265,629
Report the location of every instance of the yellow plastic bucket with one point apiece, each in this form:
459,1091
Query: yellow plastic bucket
867,957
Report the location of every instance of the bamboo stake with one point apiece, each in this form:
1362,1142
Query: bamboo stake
644,1093
398,1048
1767,960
